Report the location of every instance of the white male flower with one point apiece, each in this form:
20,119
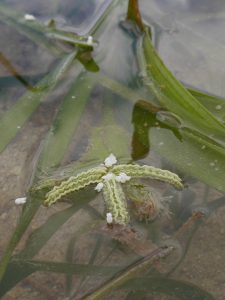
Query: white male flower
110,160
99,187
109,218
90,40
122,177
108,176
21,200
29,17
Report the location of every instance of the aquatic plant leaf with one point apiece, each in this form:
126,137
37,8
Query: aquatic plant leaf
9,81
65,124
32,206
16,117
86,59
41,235
33,30
144,117
42,34
176,288
172,95
19,269
215,104
108,138
194,155
189,151
120,89
134,270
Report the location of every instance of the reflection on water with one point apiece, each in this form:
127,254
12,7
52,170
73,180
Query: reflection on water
64,118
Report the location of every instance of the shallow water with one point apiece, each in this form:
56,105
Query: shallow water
98,107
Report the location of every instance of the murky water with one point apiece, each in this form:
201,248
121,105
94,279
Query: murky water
64,120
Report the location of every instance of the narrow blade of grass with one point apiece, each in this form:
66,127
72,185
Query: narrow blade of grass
175,288
16,117
20,269
119,279
65,123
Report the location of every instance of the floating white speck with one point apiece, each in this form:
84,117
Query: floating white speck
161,143
109,218
29,17
108,176
203,147
21,200
74,97
212,164
110,160
90,40
218,107
99,187
122,177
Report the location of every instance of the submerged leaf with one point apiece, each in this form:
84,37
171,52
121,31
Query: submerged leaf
172,95
15,118
175,288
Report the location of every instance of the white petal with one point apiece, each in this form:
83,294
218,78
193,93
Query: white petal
29,17
90,40
21,200
99,187
122,177
108,176
109,218
110,160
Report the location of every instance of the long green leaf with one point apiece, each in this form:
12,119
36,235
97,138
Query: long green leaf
16,117
132,271
40,236
190,152
32,206
175,288
194,155
173,95
20,268
65,123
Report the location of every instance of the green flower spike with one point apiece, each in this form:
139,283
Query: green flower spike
109,178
